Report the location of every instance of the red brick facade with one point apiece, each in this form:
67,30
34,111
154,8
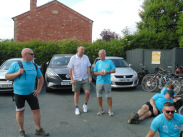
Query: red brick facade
51,22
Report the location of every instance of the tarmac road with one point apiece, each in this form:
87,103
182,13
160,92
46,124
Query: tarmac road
58,118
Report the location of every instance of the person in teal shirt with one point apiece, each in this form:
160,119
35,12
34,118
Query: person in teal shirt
168,123
103,68
24,83
152,108
177,100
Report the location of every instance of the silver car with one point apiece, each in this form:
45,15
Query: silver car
7,85
124,77
57,73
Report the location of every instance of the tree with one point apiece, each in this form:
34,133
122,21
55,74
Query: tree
126,31
107,35
160,17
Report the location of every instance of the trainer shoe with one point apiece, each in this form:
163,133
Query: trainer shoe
110,113
85,108
131,117
41,132
100,112
77,111
22,133
134,121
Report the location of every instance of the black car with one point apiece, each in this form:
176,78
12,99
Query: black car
57,73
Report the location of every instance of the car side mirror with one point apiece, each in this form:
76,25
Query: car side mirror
130,65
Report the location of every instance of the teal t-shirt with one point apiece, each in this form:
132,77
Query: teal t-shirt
105,65
160,100
167,128
25,84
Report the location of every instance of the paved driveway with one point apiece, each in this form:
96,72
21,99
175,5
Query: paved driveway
57,109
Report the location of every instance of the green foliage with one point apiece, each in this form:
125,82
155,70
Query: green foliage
160,21
45,50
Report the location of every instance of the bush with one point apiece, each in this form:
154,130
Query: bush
45,50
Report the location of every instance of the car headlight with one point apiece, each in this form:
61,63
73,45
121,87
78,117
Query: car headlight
51,73
135,74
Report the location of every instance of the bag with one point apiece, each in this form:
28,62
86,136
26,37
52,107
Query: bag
21,66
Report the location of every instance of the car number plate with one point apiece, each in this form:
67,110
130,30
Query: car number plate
6,85
125,80
65,83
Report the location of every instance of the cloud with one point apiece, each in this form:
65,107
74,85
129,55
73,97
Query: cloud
106,14
110,14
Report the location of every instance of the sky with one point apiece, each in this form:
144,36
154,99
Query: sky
114,15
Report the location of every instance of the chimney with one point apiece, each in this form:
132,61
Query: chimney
33,5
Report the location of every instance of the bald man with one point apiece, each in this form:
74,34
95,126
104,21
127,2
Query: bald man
24,82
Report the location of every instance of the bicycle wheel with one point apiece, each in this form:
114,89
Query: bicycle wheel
177,86
149,83
180,110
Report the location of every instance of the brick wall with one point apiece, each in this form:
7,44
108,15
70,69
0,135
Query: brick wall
52,22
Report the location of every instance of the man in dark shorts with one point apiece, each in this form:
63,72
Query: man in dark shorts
152,108
24,82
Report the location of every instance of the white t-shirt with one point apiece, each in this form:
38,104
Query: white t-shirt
79,67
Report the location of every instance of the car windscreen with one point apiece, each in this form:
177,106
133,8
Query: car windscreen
119,62
7,64
59,61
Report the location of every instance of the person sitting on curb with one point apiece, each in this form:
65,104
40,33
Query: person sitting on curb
151,108
168,124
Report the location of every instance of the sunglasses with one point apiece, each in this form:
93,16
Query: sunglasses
31,54
170,111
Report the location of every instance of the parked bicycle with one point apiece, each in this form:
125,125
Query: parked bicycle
144,71
155,82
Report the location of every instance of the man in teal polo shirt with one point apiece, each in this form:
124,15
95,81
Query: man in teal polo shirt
103,68
24,81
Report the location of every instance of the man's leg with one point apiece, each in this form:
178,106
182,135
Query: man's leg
20,119
76,98
87,95
134,117
109,101
146,115
143,110
100,103
37,118
37,121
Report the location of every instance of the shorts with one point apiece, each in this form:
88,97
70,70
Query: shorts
31,100
151,109
84,84
100,88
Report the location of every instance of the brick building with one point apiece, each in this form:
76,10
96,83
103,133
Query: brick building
51,22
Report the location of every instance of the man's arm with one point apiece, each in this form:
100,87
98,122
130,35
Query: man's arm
72,79
151,133
155,110
111,71
39,85
14,75
89,74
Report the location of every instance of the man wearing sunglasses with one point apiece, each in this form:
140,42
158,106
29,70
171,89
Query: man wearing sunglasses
168,123
24,82
152,108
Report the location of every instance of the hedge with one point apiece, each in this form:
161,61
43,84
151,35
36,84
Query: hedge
45,50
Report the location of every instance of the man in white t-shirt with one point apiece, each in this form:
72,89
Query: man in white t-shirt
79,70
